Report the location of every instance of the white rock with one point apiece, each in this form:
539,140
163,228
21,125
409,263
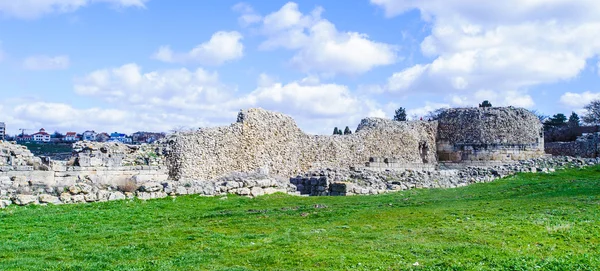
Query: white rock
45,198
24,199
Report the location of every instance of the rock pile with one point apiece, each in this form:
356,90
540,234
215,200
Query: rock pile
363,181
17,157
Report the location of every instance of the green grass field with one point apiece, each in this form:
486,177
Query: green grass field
48,148
525,222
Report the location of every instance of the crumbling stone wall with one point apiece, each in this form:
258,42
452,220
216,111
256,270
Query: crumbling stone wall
489,134
586,145
17,157
273,142
114,154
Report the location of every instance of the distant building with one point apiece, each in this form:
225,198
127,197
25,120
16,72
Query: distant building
118,137
89,136
71,137
41,136
102,137
24,138
2,131
146,137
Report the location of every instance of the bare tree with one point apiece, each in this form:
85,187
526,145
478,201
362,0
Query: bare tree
435,114
592,116
539,115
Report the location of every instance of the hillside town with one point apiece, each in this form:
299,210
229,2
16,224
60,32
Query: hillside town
43,136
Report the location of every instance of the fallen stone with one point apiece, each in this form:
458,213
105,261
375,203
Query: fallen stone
22,200
116,196
151,187
45,198
257,191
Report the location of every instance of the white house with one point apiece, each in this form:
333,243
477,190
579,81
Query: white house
71,137
118,137
41,136
89,136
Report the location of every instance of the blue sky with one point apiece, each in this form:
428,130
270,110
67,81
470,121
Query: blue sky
129,65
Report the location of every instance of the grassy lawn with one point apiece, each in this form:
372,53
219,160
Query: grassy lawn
526,222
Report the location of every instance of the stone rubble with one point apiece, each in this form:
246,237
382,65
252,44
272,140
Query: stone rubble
17,157
345,182
324,182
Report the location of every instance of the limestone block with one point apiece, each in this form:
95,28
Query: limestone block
45,198
65,197
181,190
103,195
144,195
151,187
117,195
24,199
91,197
77,198
257,191
244,191
74,189
5,203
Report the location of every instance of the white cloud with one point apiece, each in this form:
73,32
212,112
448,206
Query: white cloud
34,115
578,100
200,96
404,79
306,97
249,16
42,62
222,47
506,98
421,112
175,89
320,46
32,9
505,46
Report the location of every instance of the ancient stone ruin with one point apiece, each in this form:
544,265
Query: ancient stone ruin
497,134
586,145
269,140
265,152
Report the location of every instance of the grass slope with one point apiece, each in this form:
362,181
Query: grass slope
526,222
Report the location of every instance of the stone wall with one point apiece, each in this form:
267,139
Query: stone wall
113,154
100,166
587,145
364,181
17,157
272,141
489,134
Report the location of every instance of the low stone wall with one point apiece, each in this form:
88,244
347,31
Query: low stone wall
587,145
269,140
337,182
23,192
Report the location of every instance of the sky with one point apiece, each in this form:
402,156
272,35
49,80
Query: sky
163,65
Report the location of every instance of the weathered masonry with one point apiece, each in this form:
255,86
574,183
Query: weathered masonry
498,134
272,141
